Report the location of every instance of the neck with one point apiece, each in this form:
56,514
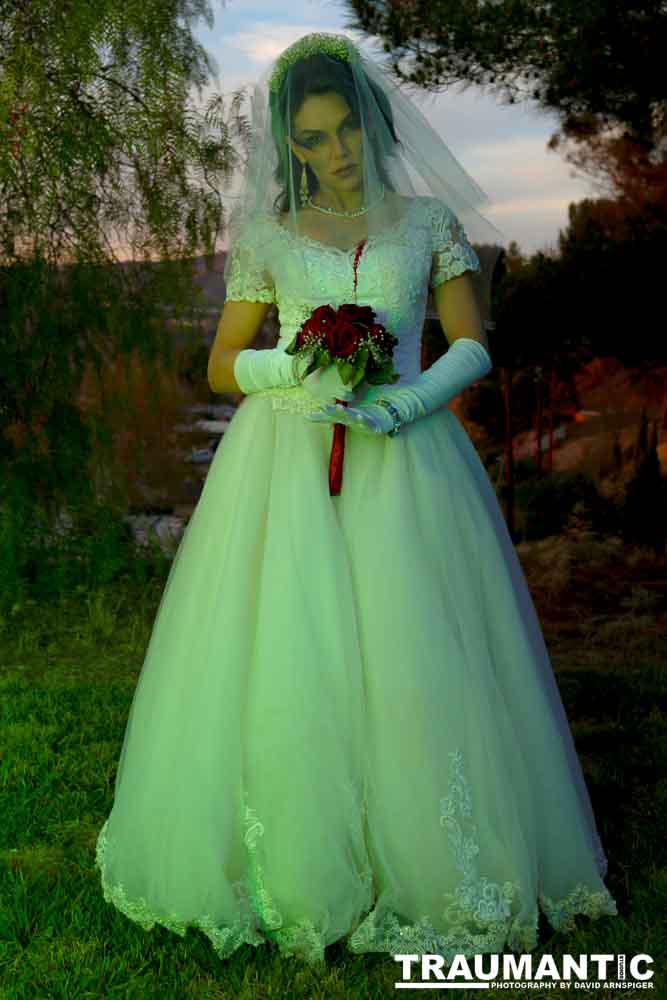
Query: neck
343,201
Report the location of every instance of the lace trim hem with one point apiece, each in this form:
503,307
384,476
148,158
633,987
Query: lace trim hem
260,922
388,935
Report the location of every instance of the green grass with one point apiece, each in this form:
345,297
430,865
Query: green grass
69,668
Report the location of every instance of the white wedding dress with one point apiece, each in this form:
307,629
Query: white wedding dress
347,725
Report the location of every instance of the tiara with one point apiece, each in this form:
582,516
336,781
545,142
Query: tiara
335,45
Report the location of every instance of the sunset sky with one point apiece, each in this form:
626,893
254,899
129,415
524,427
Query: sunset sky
502,146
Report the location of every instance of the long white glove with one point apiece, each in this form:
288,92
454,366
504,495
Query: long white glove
268,368
466,361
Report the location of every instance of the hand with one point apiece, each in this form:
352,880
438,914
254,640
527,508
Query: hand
325,383
301,362
369,418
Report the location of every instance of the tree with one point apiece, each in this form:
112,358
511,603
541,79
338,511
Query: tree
100,142
537,348
600,66
573,57
631,172
102,155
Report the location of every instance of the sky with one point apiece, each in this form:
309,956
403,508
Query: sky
503,146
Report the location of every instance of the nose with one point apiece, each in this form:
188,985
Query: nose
340,151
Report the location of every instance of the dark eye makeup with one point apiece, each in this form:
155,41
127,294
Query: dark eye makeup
313,139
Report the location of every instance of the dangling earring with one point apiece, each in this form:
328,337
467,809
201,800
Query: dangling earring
303,188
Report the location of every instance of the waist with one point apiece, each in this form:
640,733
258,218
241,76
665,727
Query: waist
290,399
297,399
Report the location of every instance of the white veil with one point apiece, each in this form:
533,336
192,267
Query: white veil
403,157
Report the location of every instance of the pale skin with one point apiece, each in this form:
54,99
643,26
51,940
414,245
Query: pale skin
329,138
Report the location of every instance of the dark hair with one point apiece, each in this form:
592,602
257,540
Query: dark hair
317,74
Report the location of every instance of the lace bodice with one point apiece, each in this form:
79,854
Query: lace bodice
424,248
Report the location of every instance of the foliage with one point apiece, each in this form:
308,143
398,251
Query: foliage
139,404
631,171
598,66
97,548
645,501
547,501
582,59
611,259
101,142
192,363
103,156
58,324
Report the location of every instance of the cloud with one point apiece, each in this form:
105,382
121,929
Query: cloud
266,41
245,54
523,206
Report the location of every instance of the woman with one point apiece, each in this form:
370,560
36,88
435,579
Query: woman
347,725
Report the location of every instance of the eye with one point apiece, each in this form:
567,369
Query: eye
309,141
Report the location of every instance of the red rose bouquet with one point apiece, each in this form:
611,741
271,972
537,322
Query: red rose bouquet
362,350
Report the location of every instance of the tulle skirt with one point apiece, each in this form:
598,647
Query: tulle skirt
347,725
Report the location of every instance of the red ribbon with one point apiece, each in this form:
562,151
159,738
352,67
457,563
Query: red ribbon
336,457
357,255
338,443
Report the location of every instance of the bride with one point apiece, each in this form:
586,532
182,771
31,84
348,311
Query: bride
347,726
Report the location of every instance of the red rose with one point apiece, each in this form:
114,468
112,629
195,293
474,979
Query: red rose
329,338
318,324
347,337
324,315
356,314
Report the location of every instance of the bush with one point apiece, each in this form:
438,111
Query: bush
88,545
644,506
192,363
546,503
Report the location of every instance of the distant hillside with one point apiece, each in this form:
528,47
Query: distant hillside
208,274
209,280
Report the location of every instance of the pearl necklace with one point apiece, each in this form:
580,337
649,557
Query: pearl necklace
348,214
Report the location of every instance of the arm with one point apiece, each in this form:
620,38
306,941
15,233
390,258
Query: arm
457,310
249,293
239,324
467,360
234,367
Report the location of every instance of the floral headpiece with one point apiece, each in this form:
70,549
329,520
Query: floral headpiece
335,45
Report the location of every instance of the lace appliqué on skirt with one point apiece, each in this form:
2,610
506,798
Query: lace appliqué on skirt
480,914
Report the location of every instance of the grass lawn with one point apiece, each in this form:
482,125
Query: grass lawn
68,670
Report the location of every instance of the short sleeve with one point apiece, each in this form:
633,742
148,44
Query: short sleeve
452,253
247,278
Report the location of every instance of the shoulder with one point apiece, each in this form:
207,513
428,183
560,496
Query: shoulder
445,224
438,209
417,210
257,232
402,204
432,211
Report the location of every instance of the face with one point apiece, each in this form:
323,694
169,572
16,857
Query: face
326,137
